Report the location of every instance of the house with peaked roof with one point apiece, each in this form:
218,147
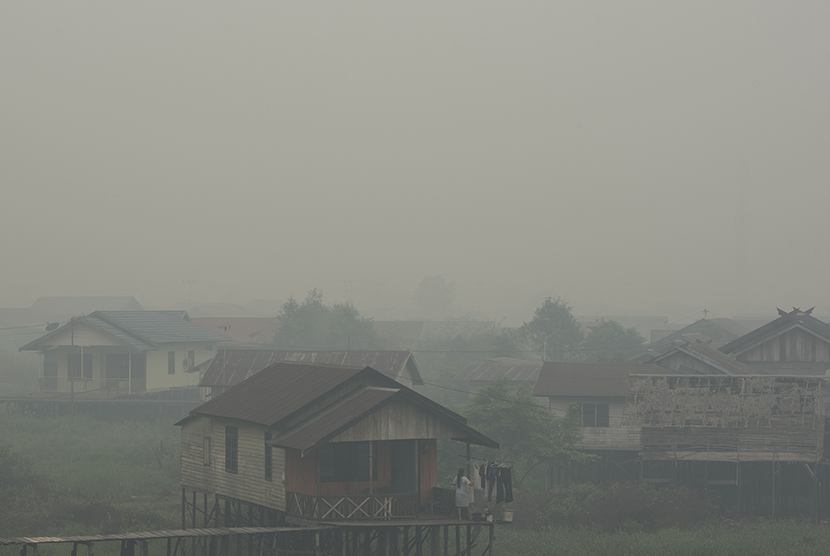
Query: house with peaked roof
315,442
599,391
124,352
796,343
232,365
700,358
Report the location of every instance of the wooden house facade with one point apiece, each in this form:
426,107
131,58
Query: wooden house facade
599,391
320,443
796,343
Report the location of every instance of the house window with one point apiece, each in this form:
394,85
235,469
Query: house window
595,415
268,456
347,461
73,366
231,449
191,359
206,451
171,362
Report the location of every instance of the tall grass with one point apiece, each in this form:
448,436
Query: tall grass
101,476
753,539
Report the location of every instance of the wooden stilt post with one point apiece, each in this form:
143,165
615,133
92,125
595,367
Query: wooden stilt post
469,540
739,481
773,486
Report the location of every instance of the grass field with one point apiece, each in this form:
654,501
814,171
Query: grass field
81,475
749,539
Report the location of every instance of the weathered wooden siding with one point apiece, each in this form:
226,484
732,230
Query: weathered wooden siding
733,444
728,418
301,474
249,482
399,420
799,345
618,435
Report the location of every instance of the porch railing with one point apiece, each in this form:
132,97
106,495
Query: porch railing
354,507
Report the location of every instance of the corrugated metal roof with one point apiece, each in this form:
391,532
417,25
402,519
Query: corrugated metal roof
336,418
783,323
283,390
589,379
160,327
276,392
514,370
231,366
140,330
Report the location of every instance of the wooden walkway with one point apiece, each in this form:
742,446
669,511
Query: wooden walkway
381,538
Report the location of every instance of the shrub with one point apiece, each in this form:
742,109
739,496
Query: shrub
625,507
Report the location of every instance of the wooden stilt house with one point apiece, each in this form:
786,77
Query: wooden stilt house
319,443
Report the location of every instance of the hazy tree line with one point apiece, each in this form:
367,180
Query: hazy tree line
551,334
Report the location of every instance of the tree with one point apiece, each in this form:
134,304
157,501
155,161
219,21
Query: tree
314,325
611,342
435,295
529,433
553,331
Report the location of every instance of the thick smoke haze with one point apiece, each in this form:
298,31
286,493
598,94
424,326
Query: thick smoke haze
627,156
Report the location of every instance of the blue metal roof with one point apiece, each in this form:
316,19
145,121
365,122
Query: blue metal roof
140,330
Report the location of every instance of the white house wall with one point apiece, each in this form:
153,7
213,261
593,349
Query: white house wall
158,377
82,335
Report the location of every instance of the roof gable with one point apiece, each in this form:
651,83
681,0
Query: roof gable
784,323
139,330
708,355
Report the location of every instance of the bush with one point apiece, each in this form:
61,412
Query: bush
625,507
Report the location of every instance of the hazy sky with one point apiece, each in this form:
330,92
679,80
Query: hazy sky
627,156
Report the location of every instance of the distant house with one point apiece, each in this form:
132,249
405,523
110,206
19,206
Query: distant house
124,352
715,332
28,323
796,343
318,442
231,366
600,392
515,371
